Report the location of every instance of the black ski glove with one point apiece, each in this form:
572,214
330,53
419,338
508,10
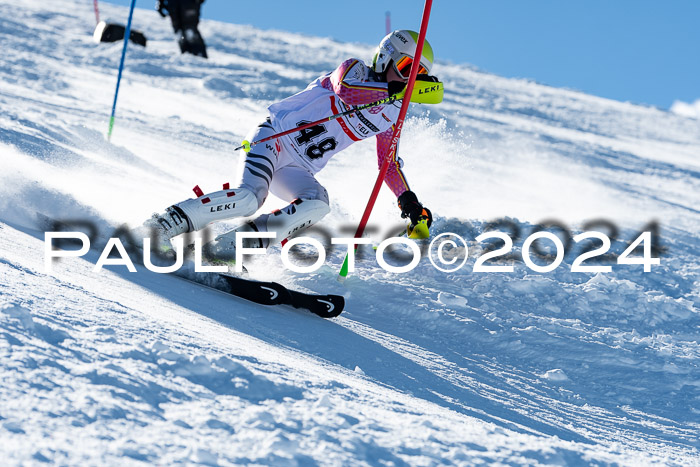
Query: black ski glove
395,87
161,7
429,78
411,208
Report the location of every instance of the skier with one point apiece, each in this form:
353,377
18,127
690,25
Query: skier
286,166
184,15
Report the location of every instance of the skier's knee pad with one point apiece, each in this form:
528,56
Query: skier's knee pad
218,206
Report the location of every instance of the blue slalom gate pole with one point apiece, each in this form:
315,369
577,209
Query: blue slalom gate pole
127,34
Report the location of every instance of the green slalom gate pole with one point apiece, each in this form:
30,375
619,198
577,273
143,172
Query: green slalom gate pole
395,138
127,34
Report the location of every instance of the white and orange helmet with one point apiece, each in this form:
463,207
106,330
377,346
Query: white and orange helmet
399,48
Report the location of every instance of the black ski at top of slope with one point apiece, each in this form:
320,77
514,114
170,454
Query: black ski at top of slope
272,293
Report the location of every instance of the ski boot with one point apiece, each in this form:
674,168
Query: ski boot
285,222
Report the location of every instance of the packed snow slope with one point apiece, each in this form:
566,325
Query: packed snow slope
424,367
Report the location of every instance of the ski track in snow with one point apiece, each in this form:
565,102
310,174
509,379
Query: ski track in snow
423,368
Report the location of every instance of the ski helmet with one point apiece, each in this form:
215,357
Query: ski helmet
399,47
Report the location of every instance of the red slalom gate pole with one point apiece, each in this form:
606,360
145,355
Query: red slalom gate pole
97,12
397,132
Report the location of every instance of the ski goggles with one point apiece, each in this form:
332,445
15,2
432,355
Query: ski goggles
403,67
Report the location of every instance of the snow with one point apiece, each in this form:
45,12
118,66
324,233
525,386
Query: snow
423,368
687,109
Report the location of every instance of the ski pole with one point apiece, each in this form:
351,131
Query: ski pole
395,137
246,145
127,34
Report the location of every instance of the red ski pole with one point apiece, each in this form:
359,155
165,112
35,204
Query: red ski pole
397,132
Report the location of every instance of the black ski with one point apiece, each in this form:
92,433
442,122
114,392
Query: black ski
272,293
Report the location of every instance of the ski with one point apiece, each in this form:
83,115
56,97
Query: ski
272,293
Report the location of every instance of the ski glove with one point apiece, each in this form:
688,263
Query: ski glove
411,208
429,78
161,7
396,88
